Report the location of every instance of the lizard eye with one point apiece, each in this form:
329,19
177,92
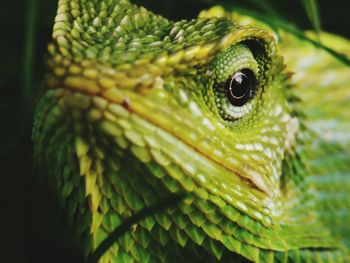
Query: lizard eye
241,87
235,74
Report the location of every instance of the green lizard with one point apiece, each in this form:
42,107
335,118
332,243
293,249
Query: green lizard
137,107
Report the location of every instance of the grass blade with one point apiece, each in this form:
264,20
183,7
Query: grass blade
313,12
126,225
283,25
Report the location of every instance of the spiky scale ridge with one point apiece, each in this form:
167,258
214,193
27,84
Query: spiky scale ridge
129,116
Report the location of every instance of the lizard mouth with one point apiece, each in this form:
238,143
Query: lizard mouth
187,151
142,108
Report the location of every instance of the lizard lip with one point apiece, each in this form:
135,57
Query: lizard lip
247,174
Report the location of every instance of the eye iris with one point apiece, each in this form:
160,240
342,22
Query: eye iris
240,87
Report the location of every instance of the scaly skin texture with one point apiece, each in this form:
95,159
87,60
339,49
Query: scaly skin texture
134,108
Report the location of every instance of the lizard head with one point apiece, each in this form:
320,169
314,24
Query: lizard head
137,105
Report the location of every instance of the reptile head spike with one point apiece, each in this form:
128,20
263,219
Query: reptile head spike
137,107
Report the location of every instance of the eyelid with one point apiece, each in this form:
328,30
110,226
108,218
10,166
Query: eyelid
235,113
235,58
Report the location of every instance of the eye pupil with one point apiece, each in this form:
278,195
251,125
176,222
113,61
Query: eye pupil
240,87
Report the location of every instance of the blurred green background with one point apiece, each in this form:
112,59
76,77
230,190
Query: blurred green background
30,225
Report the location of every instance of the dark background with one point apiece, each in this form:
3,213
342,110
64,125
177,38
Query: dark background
30,228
